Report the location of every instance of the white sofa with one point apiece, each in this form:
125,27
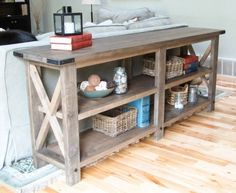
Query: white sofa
15,140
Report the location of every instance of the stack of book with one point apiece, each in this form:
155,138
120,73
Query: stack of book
190,64
72,42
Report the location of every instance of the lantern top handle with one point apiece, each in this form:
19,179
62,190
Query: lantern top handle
65,9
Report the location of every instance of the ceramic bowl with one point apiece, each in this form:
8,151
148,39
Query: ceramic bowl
98,93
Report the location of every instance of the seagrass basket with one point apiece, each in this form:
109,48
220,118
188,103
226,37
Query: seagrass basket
174,67
115,121
179,93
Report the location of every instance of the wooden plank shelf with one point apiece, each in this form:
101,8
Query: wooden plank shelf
172,115
186,78
96,145
139,86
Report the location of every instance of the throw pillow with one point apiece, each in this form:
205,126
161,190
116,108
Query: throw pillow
104,28
151,22
122,15
15,36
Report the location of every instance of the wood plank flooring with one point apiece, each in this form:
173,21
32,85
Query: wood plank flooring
197,155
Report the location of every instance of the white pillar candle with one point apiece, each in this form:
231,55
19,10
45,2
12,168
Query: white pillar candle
69,27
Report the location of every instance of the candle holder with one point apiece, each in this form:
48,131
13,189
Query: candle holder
67,23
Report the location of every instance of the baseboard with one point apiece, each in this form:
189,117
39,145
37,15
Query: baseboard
226,66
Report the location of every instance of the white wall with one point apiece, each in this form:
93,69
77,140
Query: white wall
200,13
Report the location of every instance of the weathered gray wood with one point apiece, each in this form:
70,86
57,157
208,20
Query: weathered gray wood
120,47
95,145
70,123
55,102
46,104
51,157
129,68
212,76
172,115
104,50
186,78
159,98
205,56
139,86
35,116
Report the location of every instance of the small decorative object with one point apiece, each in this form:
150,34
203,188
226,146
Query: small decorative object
95,88
120,79
91,3
143,107
178,96
67,23
196,81
190,64
192,95
115,121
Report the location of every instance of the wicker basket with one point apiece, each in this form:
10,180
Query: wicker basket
115,121
149,66
174,67
177,93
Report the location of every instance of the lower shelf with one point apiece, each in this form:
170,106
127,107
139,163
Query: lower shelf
95,145
172,115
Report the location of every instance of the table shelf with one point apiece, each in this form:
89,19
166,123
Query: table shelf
96,145
187,77
172,114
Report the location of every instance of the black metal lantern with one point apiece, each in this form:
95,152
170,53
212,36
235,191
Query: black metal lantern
68,23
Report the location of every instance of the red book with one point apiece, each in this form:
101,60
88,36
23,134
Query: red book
73,46
190,59
70,39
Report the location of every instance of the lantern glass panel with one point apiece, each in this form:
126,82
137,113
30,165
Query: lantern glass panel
77,20
69,25
58,24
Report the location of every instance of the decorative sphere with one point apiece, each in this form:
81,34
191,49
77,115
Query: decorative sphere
94,80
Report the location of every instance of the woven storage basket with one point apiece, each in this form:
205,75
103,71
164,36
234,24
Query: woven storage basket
177,91
115,121
174,67
148,66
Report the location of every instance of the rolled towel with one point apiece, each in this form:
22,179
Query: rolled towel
83,85
102,86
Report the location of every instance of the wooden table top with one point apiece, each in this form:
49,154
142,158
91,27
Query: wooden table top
117,47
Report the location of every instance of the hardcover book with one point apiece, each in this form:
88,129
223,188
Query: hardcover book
70,39
190,59
73,46
189,68
190,65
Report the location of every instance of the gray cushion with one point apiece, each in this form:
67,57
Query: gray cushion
121,15
151,22
104,28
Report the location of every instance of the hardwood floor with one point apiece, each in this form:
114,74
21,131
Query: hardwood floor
197,155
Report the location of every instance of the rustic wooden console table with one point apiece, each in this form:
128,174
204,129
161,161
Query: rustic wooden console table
73,149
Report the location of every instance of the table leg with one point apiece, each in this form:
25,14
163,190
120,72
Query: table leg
70,123
212,78
36,117
159,98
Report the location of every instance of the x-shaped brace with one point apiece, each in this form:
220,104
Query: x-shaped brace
50,108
